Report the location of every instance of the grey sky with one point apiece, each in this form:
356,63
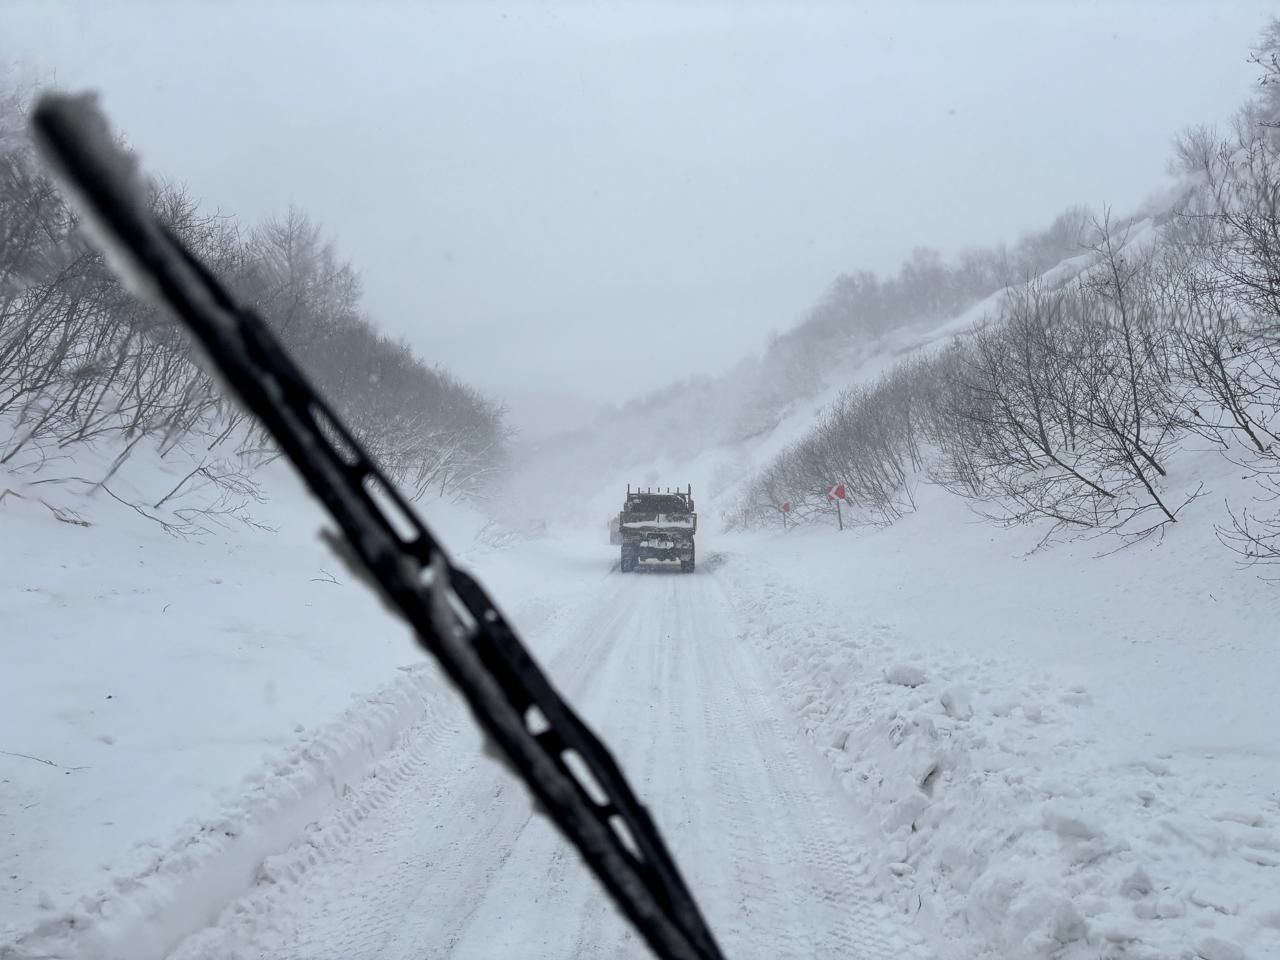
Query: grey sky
581,202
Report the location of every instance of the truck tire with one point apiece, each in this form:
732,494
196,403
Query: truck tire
628,563
686,566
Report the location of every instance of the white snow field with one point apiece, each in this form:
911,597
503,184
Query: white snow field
1063,755
930,740
920,741
173,710
455,863
384,831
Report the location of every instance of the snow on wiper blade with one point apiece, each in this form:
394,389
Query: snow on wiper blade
383,539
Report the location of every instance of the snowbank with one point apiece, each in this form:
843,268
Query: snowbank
181,886
1065,755
172,710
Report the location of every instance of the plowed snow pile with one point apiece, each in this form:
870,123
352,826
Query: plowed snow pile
1062,755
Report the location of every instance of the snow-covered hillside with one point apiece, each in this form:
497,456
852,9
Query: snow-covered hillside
1061,751
1016,702
1058,754
716,432
1010,749
1029,752
175,708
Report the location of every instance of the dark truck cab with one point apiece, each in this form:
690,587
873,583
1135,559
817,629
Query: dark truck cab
658,525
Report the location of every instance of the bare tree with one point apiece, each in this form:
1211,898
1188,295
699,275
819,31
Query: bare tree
82,361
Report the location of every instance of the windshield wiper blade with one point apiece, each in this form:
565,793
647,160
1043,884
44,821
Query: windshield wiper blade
382,537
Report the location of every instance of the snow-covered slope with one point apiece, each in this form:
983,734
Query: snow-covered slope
1043,752
173,709
1063,751
1061,755
715,431
460,866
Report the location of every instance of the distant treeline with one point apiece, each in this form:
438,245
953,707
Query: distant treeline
82,360
1067,405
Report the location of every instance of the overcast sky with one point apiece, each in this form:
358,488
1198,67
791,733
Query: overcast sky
581,202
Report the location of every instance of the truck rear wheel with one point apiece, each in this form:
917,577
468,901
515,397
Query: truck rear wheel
686,566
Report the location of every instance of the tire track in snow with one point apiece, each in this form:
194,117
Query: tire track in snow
454,864
453,783
827,907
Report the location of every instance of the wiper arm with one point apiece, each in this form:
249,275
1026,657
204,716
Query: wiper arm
382,537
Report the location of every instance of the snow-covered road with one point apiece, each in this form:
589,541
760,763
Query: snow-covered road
440,853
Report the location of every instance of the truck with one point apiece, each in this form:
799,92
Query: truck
658,525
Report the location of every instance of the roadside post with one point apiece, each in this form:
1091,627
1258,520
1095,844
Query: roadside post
836,492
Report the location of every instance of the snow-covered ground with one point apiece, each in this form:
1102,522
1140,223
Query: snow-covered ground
930,739
1027,754
459,865
183,766
173,710
1061,754
1042,754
